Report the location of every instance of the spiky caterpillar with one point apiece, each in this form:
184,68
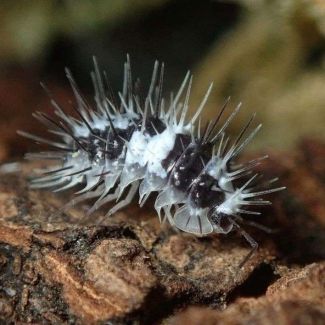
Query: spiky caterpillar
121,147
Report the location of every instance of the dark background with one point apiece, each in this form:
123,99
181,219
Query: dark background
268,54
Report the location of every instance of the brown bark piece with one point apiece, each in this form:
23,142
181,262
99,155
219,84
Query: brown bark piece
297,298
61,268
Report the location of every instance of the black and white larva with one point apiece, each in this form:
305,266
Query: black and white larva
145,145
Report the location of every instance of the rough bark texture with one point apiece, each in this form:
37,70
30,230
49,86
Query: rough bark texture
66,268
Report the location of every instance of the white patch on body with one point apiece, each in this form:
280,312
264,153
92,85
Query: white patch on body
232,203
150,151
158,148
121,122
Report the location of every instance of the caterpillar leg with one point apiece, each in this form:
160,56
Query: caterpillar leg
257,225
78,199
123,203
250,240
168,215
103,200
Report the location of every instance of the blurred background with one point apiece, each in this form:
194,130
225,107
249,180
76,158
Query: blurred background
268,54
